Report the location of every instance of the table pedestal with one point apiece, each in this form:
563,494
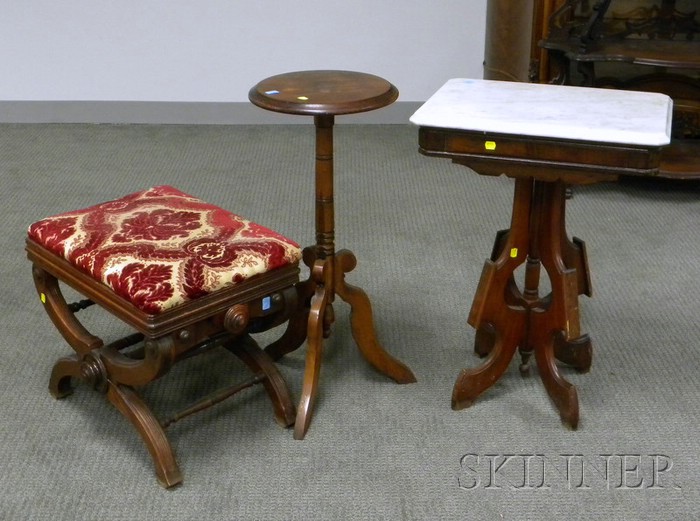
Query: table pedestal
324,95
326,280
507,317
545,137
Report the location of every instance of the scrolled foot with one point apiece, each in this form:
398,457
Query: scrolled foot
562,393
304,415
64,370
309,391
362,325
462,394
471,383
569,415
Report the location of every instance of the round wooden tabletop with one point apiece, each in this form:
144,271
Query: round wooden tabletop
314,93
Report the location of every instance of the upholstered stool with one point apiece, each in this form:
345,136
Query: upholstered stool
187,276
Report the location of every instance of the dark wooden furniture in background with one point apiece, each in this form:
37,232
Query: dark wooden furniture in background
324,95
622,44
655,49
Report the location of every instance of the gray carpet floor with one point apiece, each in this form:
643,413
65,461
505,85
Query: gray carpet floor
421,229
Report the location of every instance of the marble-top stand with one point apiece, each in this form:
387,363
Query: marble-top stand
545,137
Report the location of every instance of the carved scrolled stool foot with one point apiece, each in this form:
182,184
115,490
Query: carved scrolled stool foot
64,370
93,372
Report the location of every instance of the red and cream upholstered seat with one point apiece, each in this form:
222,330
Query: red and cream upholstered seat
161,247
188,276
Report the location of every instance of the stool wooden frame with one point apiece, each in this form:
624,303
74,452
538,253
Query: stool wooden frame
223,318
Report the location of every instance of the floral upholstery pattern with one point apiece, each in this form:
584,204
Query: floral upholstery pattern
161,247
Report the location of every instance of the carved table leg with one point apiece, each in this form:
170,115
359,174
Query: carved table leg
472,382
322,275
575,352
500,326
556,323
506,318
574,256
328,279
363,325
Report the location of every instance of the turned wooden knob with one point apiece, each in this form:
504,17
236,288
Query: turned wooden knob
236,319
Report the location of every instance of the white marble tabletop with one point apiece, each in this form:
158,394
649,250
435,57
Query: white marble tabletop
552,111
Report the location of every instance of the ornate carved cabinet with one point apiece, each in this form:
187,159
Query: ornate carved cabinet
649,45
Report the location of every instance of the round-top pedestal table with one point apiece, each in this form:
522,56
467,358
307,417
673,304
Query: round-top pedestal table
324,95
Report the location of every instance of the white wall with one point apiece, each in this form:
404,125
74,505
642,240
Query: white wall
215,50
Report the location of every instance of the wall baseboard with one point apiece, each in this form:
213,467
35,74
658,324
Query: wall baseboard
197,113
